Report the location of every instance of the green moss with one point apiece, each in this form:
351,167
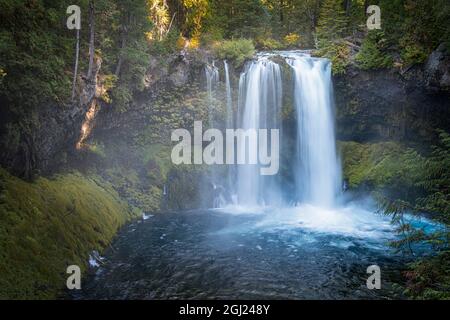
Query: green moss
141,193
50,224
157,158
378,165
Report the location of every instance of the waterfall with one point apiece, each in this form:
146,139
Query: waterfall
229,96
260,103
317,171
231,173
212,79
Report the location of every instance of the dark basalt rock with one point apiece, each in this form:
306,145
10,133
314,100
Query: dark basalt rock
391,105
437,69
48,133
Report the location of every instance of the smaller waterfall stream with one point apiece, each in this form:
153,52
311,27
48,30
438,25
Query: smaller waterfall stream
230,115
212,80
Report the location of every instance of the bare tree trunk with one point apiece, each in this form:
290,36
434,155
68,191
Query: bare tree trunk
348,4
366,5
171,23
75,72
119,64
281,11
92,38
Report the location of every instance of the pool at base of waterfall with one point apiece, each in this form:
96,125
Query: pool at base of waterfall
250,253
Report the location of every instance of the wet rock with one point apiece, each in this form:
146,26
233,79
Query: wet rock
437,69
389,105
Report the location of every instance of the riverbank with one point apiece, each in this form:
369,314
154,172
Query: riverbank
52,223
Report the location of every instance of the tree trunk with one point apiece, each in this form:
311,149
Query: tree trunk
281,11
119,64
348,4
75,72
92,38
366,5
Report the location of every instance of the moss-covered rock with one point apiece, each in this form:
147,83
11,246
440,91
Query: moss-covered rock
50,224
382,167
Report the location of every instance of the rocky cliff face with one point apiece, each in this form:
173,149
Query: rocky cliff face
393,105
371,106
40,142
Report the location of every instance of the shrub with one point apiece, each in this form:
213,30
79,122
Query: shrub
269,44
413,53
338,53
236,51
371,55
292,40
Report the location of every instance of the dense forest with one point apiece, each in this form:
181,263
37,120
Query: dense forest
86,115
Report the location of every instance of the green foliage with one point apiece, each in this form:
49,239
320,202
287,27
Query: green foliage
129,185
415,27
429,278
413,53
332,27
269,44
339,54
292,40
435,180
372,55
405,181
31,32
237,51
380,166
333,22
50,224
238,19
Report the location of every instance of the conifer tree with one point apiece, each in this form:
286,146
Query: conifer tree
333,22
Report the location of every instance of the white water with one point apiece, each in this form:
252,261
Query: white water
212,79
316,169
260,92
317,173
229,96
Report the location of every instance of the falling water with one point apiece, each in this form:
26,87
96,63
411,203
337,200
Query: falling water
229,97
317,171
260,94
212,79
231,174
